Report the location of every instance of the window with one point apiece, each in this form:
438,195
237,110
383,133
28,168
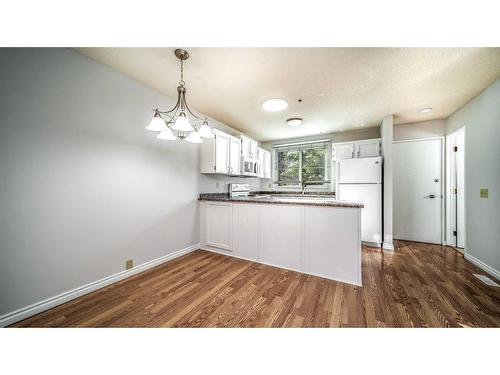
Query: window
306,164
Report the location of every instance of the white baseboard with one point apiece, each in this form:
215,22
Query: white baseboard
493,272
36,308
388,246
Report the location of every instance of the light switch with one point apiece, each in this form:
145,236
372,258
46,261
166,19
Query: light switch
483,193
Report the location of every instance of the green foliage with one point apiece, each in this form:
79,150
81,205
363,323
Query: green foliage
313,167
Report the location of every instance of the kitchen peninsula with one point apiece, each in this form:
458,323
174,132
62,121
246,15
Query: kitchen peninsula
312,234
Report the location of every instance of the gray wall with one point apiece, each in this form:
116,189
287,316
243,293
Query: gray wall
416,130
83,186
481,118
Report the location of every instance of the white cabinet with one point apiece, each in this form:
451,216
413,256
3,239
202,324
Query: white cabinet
249,147
368,149
221,154
280,235
264,163
245,231
221,164
234,156
332,246
359,149
218,225
343,150
267,164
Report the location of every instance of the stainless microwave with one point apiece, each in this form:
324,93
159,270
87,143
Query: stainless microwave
249,167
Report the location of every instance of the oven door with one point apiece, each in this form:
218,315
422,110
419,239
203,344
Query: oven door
249,167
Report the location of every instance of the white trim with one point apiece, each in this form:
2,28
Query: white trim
493,272
388,246
38,307
303,143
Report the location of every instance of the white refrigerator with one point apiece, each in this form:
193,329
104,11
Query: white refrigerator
360,180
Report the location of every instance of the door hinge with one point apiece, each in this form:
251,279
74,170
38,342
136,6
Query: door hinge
455,148
455,233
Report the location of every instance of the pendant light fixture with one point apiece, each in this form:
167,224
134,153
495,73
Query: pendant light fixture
180,122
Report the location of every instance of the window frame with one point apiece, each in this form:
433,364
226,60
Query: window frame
326,186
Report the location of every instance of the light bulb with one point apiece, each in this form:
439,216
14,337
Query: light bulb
182,123
205,131
167,135
157,124
194,137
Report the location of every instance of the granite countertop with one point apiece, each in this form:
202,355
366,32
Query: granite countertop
309,199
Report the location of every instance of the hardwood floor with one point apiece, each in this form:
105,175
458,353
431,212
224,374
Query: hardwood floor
420,285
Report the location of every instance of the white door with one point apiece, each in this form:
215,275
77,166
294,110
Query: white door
343,150
417,190
221,152
368,149
235,156
371,214
359,171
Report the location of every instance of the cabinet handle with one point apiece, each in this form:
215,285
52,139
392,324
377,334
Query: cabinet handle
358,153
352,154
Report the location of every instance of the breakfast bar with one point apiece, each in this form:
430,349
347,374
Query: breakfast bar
312,234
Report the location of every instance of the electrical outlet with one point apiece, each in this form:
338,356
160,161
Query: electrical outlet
483,193
129,263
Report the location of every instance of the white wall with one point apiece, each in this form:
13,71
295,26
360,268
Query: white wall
423,129
481,118
83,186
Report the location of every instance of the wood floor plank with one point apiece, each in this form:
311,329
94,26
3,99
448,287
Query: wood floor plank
419,285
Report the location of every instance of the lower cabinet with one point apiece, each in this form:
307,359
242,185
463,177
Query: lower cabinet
280,235
331,237
246,231
218,225
321,241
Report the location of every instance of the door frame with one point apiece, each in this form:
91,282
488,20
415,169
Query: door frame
442,175
449,165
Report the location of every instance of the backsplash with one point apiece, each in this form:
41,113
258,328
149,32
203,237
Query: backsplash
218,183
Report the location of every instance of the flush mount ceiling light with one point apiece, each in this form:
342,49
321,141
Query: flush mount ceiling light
425,110
294,122
176,123
274,105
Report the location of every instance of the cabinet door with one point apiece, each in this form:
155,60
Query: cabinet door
260,166
245,147
219,225
253,150
367,149
343,150
235,156
221,152
245,230
267,164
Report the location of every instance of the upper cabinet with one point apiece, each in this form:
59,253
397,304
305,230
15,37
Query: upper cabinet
264,163
234,155
359,149
248,148
221,154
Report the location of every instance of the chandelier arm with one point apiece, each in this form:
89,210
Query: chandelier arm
189,110
175,107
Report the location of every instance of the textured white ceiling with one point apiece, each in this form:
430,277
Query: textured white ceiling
340,88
